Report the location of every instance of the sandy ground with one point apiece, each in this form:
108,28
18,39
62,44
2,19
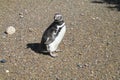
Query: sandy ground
91,46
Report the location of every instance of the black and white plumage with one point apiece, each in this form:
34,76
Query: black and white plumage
54,34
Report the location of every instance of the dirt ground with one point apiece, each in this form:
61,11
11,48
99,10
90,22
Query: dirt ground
91,46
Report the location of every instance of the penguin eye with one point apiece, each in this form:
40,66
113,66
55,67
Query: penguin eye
58,17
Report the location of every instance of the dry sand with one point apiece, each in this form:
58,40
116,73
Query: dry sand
91,46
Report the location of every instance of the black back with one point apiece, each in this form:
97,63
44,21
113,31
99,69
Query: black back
51,32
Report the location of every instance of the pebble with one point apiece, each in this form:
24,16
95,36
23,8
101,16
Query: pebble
93,18
92,73
86,65
96,18
7,71
30,29
21,15
10,30
3,61
79,65
82,14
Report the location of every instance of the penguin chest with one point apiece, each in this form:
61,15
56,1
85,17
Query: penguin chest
53,46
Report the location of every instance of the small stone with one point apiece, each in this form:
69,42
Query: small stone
10,30
86,65
92,73
21,15
93,18
97,17
7,71
3,61
26,11
79,53
82,14
79,65
30,29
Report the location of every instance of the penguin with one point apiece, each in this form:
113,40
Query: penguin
53,35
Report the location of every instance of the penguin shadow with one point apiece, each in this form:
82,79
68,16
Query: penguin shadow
37,48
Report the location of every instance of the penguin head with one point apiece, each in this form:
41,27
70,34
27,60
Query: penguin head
58,17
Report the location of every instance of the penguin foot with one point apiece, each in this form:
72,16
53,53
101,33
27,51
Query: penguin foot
44,51
53,55
58,50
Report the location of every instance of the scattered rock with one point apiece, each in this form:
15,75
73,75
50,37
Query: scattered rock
82,65
82,14
92,73
21,15
79,65
86,65
93,18
3,61
96,18
10,30
30,29
7,71
26,11
80,53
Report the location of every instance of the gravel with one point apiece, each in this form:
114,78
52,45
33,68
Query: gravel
90,46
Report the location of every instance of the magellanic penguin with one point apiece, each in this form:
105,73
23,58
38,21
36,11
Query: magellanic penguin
53,35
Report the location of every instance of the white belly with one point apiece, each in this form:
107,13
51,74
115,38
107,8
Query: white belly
53,46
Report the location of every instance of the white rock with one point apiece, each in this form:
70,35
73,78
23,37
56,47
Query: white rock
10,30
7,71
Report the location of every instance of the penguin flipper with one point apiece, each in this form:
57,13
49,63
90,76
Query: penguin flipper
50,34
47,39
